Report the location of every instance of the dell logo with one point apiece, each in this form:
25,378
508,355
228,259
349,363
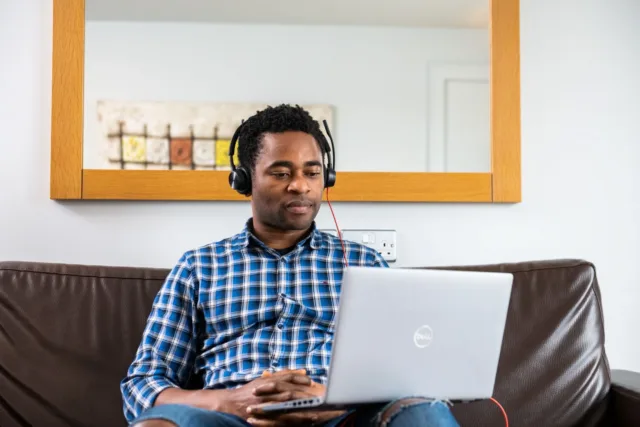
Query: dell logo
423,336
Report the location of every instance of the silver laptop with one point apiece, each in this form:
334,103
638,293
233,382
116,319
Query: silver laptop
412,332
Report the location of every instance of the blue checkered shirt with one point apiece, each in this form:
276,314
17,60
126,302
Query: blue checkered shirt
232,309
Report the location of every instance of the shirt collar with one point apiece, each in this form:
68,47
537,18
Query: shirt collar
247,237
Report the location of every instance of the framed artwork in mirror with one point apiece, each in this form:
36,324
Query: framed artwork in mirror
423,102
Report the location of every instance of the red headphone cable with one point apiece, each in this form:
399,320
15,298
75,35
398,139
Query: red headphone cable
344,251
504,413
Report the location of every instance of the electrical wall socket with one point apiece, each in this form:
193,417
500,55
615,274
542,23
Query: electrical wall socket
383,241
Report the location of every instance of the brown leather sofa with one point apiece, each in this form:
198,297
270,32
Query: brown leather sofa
69,332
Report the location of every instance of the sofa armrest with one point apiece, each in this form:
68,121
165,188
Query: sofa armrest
625,397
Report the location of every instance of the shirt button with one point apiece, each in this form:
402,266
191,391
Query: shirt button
280,326
275,363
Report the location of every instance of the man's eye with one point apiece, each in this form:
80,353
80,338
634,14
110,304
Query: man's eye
314,174
280,174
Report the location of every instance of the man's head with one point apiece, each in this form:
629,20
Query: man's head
281,148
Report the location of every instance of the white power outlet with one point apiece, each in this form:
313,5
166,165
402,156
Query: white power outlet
383,241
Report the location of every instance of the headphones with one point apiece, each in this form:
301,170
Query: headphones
240,177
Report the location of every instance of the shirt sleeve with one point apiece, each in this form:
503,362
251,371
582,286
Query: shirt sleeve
166,352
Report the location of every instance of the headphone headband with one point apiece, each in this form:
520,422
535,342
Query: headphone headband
330,149
232,145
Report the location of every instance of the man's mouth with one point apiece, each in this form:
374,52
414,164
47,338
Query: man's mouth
298,207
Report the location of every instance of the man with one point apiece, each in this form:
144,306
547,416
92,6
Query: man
251,316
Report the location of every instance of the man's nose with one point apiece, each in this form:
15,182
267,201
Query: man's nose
299,184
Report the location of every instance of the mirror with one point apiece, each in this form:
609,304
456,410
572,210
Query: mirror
422,96
403,84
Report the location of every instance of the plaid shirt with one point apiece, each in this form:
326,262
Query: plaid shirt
232,309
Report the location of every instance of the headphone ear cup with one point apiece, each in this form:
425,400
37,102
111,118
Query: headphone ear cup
330,177
240,180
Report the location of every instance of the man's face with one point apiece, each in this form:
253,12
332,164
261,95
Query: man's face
288,181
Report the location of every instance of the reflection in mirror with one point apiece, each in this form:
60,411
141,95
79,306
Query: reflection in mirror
403,84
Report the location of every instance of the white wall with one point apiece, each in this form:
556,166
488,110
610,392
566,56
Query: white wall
377,78
580,110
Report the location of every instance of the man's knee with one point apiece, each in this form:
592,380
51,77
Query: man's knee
430,408
398,406
154,423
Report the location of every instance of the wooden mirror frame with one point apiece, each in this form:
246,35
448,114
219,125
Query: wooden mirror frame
70,181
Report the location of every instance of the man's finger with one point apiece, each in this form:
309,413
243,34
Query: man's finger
296,379
288,372
277,386
267,388
283,383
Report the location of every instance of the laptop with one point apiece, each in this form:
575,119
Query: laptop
413,332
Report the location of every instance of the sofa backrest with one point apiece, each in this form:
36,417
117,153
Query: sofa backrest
68,334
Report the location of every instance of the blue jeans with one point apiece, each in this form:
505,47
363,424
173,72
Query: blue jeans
422,414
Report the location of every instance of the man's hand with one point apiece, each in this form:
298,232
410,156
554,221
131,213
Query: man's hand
246,401
282,391
237,401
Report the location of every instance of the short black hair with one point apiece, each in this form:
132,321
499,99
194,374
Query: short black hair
281,118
